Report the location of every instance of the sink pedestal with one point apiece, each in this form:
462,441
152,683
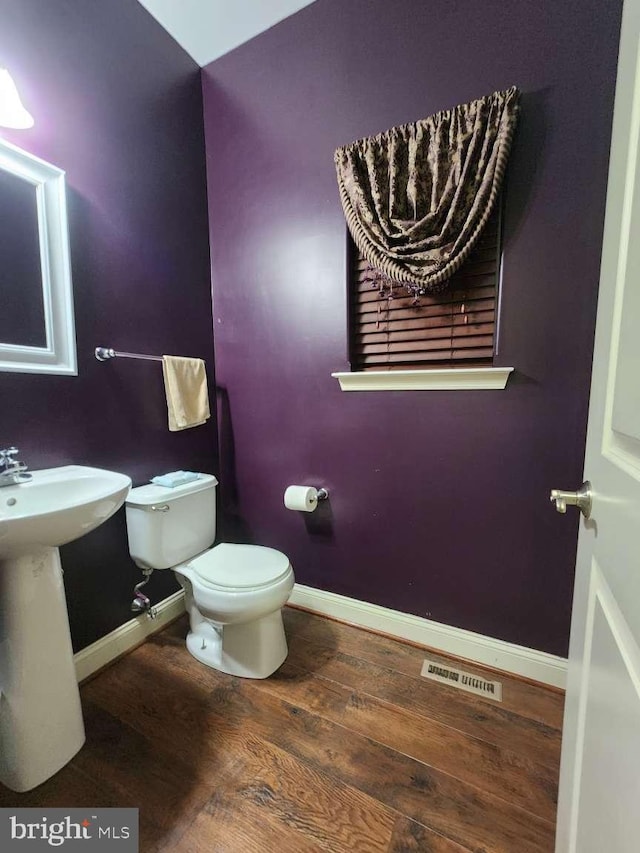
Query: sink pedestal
41,726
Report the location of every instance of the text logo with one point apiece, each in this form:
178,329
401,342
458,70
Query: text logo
28,830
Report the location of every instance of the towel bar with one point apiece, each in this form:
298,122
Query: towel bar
105,353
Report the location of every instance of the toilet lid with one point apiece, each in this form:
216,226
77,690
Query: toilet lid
240,566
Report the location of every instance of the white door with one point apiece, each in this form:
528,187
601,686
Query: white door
599,804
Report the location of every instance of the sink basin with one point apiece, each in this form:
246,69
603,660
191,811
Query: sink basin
41,726
57,506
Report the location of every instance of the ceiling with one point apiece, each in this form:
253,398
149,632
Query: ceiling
207,29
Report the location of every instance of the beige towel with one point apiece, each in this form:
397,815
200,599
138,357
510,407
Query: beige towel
185,383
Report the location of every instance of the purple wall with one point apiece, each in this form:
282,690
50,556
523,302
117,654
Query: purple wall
118,105
439,501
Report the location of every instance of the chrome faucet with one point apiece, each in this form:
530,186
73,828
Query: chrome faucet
12,471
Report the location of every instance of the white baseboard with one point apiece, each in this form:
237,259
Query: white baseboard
126,637
498,654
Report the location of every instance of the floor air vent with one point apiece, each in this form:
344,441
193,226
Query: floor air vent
462,680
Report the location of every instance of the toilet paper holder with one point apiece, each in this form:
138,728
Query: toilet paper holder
304,498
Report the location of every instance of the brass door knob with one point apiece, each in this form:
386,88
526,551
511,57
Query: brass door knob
581,499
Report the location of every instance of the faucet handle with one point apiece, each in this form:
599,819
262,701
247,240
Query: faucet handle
9,462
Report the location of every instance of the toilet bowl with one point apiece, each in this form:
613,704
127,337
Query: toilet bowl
234,594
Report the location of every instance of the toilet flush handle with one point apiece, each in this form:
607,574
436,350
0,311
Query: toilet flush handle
160,508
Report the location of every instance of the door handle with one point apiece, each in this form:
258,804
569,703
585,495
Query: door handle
581,499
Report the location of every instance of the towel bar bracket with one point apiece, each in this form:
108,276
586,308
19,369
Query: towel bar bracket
104,353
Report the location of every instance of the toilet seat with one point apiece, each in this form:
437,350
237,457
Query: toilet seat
240,567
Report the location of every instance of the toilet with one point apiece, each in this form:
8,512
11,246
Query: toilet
234,594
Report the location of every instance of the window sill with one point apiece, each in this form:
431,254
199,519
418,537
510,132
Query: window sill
449,379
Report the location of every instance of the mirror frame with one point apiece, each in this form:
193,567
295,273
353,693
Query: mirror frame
59,354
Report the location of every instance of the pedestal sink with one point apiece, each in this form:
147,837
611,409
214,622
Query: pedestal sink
41,726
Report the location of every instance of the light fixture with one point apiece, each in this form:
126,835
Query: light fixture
12,113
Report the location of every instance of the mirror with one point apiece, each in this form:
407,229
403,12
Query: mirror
37,332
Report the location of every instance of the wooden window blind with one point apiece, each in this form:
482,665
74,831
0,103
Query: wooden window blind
390,331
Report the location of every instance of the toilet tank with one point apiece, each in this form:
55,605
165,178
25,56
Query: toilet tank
167,526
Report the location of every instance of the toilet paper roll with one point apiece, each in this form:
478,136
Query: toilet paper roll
302,498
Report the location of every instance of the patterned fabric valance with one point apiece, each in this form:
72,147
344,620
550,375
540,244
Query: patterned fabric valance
417,197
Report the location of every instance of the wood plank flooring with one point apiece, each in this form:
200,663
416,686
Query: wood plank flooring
345,749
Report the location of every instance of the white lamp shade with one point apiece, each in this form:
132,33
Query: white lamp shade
12,113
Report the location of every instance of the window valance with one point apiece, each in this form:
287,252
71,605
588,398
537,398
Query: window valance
417,197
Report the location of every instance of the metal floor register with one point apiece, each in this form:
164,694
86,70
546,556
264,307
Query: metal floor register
462,680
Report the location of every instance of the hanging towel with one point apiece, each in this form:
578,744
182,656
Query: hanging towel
185,384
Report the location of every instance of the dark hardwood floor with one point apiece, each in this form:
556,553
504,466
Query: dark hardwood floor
346,748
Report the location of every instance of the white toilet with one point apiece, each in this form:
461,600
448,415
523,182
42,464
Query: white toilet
234,594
